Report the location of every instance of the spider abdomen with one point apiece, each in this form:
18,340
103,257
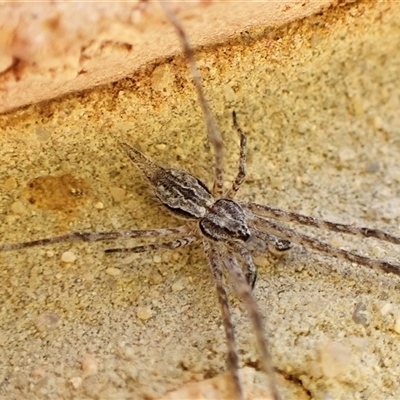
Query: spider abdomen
182,193
225,221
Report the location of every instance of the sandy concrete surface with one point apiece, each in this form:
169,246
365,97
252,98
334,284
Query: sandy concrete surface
49,49
319,101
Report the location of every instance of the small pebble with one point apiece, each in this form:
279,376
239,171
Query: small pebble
99,205
335,359
386,309
377,122
18,208
161,146
155,278
113,271
89,366
144,313
372,168
76,382
360,315
179,285
157,259
10,183
131,371
47,321
162,78
129,353
68,257
117,193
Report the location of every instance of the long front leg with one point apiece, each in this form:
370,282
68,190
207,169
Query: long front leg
288,216
244,291
315,244
250,268
173,244
241,175
216,269
213,133
98,236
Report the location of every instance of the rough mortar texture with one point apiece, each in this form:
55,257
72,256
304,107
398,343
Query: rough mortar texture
49,49
319,101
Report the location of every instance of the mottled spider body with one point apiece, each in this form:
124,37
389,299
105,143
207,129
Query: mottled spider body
189,198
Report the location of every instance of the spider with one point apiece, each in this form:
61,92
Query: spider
223,226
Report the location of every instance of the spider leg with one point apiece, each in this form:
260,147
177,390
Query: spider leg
148,167
242,162
214,262
213,132
173,244
250,269
98,236
315,244
287,216
244,291
276,245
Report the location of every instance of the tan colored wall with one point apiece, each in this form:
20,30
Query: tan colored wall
319,102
